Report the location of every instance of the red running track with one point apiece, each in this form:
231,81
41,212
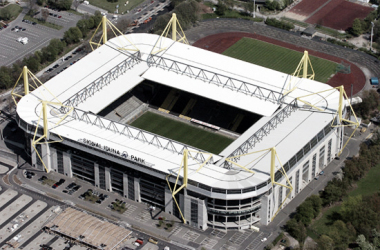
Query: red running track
220,42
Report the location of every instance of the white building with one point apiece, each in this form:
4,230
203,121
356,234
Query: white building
135,163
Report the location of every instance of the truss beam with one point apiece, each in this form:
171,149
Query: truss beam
214,78
260,134
101,82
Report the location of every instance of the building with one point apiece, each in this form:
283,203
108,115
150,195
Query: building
137,164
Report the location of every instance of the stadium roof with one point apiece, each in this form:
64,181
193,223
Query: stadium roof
102,76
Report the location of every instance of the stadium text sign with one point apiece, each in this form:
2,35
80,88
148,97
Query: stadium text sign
112,150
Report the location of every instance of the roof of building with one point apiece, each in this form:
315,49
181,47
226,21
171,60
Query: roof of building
88,229
239,84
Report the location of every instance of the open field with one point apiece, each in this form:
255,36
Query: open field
278,58
339,14
366,186
182,132
13,9
307,7
111,7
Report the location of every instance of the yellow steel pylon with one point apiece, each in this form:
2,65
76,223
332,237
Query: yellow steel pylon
302,66
174,28
185,167
45,126
273,169
25,74
339,113
105,23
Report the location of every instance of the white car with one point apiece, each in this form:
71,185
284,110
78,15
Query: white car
263,239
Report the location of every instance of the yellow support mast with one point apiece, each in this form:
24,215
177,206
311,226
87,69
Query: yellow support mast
342,122
303,66
273,169
30,82
106,24
185,167
174,28
44,114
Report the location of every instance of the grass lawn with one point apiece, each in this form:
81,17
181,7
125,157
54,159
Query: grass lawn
182,132
366,186
14,11
47,24
111,7
278,58
369,184
231,14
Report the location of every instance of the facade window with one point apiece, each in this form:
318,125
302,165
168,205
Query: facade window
194,211
102,177
329,150
83,168
131,188
297,181
321,157
280,197
314,165
291,183
60,162
305,172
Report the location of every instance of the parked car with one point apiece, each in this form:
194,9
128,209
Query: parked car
321,173
42,178
153,240
76,188
71,185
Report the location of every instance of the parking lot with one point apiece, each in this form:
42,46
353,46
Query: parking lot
38,36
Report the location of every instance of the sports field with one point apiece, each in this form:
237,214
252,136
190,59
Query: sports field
278,58
181,132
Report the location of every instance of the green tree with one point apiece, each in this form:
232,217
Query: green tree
316,203
73,35
161,23
32,63
305,213
357,27
221,8
82,25
97,18
5,14
65,4
325,243
5,78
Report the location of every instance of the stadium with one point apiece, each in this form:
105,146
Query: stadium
232,142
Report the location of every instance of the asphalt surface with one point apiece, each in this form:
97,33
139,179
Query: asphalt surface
38,35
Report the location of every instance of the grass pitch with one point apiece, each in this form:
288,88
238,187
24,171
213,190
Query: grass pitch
278,58
182,132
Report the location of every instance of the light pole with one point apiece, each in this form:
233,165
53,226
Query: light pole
254,9
372,34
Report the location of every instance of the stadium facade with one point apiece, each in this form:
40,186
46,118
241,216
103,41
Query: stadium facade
137,164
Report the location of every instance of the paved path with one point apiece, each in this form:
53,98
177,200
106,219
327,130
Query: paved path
215,26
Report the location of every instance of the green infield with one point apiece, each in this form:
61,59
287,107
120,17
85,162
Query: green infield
182,132
278,58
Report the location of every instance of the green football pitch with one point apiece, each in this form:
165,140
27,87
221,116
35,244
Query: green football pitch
278,58
182,132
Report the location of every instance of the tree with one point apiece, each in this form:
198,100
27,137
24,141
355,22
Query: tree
221,8
73,35
316,203
32,63
325,243
82,25
76,4
5,78
65,4
357,27
5,14
296,229
305,213
44,14
161,23
97,18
